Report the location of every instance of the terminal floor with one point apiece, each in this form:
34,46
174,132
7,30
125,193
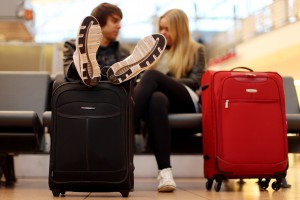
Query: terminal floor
145,188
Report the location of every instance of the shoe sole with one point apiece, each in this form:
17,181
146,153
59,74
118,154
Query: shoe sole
145,54
88,42
167,188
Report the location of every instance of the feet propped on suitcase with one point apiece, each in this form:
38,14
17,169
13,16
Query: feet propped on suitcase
145,54
88,40
89,36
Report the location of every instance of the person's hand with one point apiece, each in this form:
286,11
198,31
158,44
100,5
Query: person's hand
198,92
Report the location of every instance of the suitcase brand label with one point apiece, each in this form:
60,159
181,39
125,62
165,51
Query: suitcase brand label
87,108
251,90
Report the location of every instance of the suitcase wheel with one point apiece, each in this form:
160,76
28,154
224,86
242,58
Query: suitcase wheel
57,192
217,186
124,193
209,184
263,184
218,183
276,185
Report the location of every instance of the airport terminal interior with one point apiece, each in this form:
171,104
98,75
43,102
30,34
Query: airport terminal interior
262,35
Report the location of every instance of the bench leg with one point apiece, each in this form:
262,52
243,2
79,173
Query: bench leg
7,169
284,184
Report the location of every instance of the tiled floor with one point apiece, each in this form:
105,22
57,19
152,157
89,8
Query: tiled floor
145,188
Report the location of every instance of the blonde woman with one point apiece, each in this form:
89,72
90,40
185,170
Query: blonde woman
169,87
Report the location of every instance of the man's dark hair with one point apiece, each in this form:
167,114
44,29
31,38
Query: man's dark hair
104,10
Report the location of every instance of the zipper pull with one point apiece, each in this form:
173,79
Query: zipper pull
226,103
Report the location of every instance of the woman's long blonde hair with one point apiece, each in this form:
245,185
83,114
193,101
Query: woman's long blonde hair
183,54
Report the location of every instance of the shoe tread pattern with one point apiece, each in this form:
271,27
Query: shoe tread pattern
89,38
145,54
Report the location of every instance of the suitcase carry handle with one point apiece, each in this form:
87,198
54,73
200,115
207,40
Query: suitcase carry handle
204,87
246,68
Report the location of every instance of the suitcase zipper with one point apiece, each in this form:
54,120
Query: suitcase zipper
226,103
247,101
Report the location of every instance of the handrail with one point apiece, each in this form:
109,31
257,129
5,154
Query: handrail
272,17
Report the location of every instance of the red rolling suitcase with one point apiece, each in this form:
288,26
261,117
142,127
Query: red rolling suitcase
244,127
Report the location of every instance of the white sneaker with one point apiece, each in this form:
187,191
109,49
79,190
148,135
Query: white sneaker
166,181
88,40
145,54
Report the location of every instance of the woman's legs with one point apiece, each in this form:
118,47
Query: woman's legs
156,95
153,80
159,130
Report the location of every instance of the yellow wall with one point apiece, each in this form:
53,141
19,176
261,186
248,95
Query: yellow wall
285,61
277,50
27,57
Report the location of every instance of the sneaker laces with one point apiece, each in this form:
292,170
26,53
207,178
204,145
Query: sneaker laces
165,174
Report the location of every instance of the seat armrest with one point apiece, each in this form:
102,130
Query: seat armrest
293,123
19,120
186,121
47,121
20,131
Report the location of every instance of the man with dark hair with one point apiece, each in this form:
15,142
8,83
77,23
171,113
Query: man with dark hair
110,51
96,51
104,10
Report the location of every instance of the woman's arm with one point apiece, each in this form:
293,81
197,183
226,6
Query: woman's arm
193,79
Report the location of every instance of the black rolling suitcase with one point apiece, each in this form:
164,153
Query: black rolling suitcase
91,138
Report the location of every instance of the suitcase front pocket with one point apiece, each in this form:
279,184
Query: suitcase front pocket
251,131
90,137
